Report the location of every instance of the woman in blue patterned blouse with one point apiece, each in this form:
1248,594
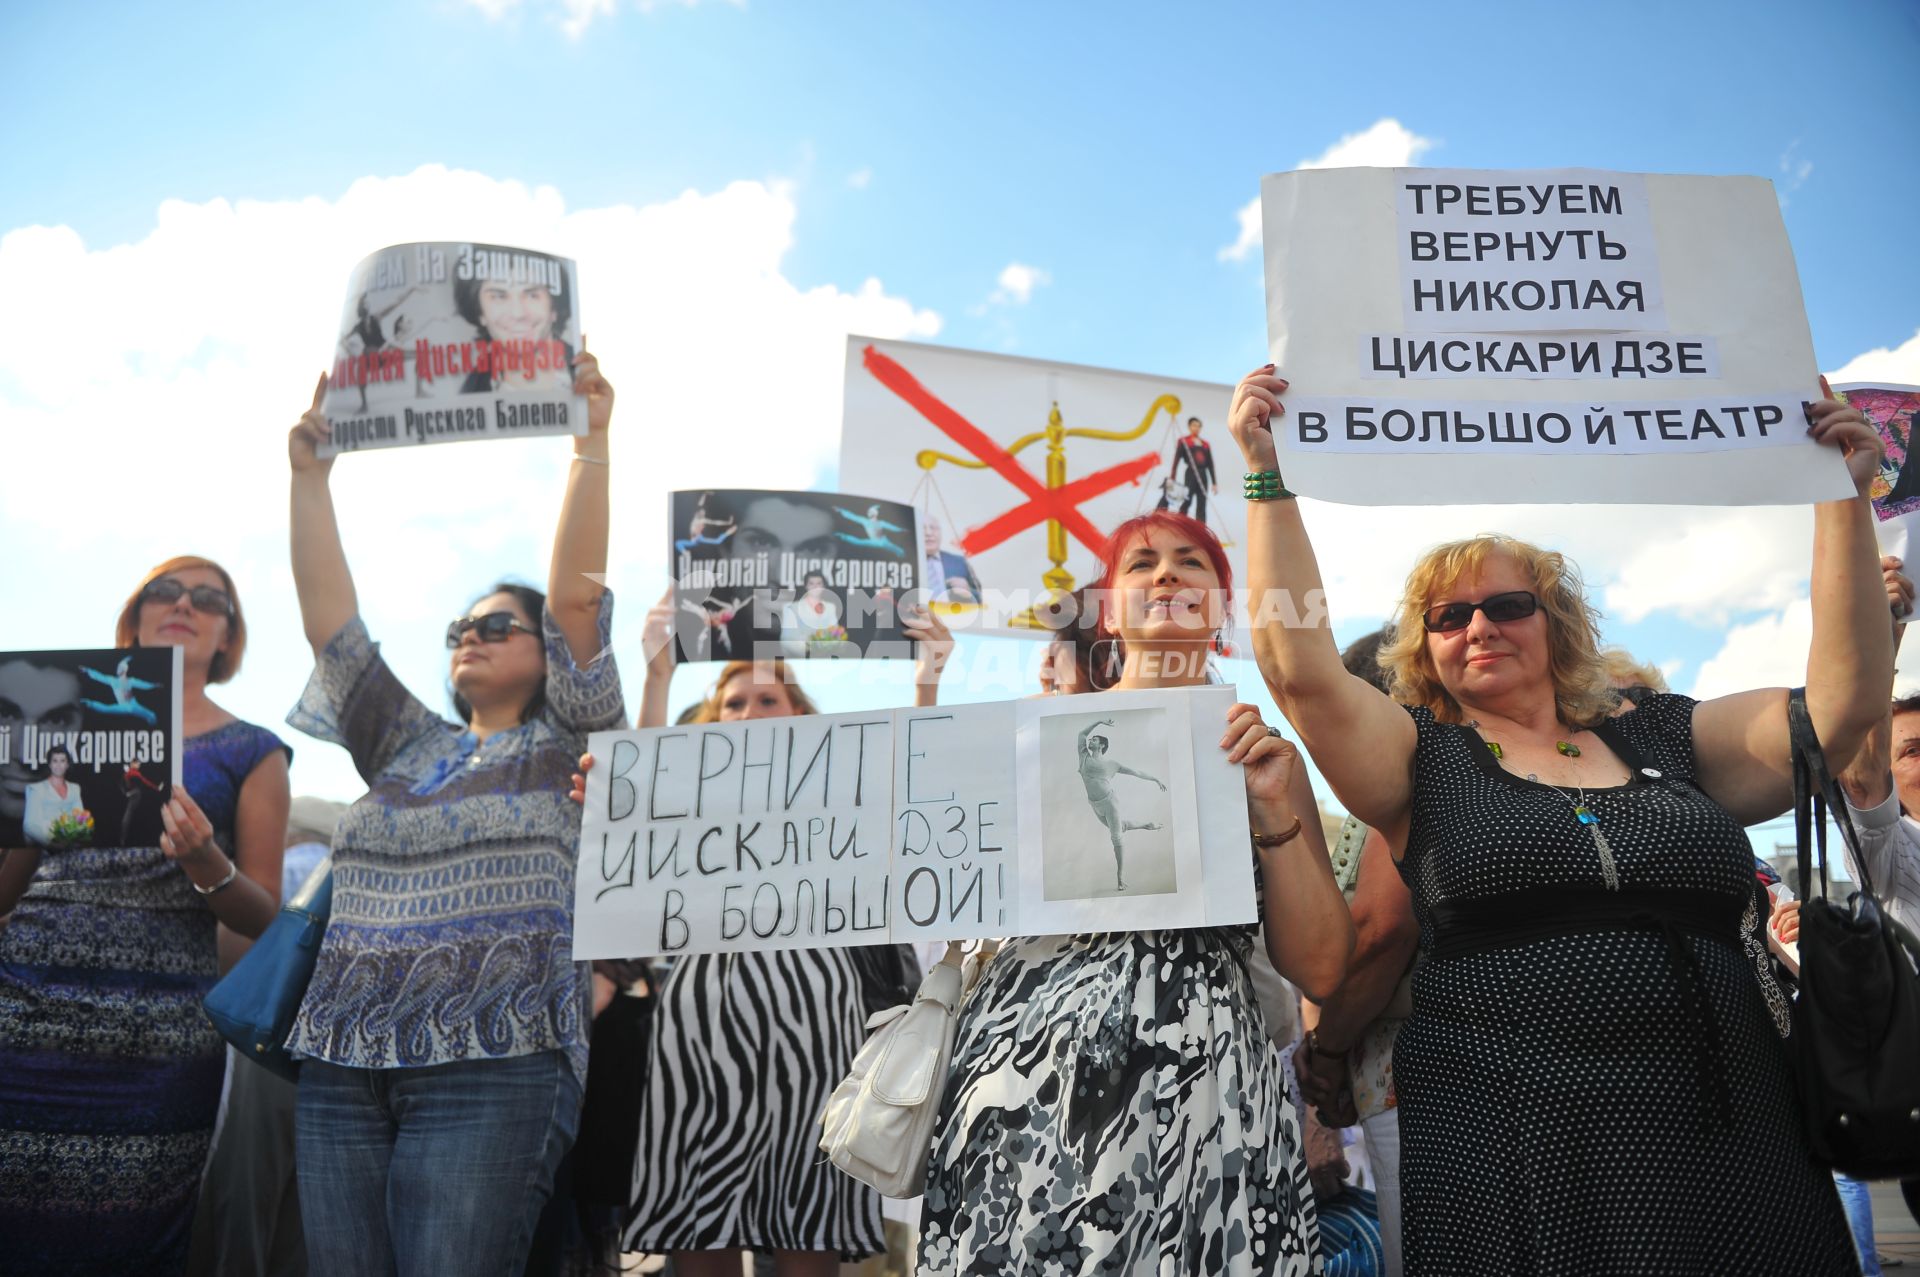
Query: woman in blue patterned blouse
444,1033
109,1071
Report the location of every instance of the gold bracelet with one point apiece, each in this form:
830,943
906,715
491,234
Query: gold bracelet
1269,841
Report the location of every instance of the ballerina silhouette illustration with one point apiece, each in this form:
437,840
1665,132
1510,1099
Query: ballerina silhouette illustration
872,528
123,685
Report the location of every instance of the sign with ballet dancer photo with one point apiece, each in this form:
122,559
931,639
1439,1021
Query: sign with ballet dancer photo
799,575
1020,468
89,746
1456,336
1010,818
445,342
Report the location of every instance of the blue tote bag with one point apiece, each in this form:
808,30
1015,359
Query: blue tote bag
253,1005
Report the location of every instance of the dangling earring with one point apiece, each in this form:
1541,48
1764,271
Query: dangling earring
1104,666
1219,645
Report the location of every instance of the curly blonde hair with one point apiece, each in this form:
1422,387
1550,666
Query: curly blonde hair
709,710
1582,690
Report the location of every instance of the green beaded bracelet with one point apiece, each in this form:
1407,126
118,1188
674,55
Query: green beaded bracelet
1265,485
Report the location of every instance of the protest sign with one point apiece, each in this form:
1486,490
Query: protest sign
452,341
945,822
89,746
1447,332
1894,411
799,575
1007,525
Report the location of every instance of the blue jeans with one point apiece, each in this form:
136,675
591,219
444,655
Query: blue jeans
436,1170
1856,1198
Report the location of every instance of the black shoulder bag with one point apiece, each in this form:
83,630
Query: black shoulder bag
1856,1025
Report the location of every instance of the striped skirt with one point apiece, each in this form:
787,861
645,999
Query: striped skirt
746,1048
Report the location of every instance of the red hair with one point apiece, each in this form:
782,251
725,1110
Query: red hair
1187,528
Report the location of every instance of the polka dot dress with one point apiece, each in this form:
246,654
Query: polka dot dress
1556,1114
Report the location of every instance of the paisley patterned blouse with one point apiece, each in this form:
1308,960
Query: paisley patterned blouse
452,928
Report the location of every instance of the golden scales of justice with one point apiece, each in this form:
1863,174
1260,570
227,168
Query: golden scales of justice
1057,581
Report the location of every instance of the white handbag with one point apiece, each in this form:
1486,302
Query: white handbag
877,1125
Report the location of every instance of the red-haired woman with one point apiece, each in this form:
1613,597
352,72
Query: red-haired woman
1114,1104
109,1072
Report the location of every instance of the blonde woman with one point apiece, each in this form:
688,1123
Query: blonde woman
1593,1078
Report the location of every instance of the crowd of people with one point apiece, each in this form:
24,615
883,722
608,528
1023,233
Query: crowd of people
1524,1013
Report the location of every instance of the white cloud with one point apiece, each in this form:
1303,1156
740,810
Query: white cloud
575,16
1711,565
1017,282
860,179
1900,365
1795,169
581,13
1386,143
147,401
1768,652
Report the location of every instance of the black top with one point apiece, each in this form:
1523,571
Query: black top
1610,1094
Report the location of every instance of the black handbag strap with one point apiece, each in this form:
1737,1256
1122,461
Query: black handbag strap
1815,793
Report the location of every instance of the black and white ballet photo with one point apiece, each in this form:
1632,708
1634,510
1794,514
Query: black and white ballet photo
1106,813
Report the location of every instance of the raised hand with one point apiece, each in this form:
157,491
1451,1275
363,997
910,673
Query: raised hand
1831,422
597,390
1256,408
1267,757
308,433
934,643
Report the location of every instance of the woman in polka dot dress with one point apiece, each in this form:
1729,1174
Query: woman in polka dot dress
1593,1079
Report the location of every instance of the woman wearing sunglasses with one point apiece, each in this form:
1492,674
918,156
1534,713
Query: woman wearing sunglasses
444,1032
110,1073
1593,1079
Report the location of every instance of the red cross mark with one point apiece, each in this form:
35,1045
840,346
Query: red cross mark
1043,503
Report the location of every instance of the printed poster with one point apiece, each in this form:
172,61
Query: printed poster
1560,335
797,575
1893,410
445,342
89,746
1019,469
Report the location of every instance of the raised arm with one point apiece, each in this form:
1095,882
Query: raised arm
1740,741
320,574
580,541
1362,742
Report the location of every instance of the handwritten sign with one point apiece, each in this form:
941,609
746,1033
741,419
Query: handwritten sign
1002,819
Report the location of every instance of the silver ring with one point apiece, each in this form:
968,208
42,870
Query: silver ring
1272,730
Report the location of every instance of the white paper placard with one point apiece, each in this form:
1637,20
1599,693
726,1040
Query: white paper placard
1714,320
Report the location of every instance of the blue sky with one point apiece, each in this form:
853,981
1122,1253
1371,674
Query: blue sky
805,150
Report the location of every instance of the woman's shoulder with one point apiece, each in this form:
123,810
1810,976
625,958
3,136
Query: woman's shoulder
240,743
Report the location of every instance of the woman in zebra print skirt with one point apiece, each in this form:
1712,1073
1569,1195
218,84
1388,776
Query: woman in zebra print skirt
746,1048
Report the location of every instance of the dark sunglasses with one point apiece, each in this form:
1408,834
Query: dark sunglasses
1515,605
494,627
203,597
